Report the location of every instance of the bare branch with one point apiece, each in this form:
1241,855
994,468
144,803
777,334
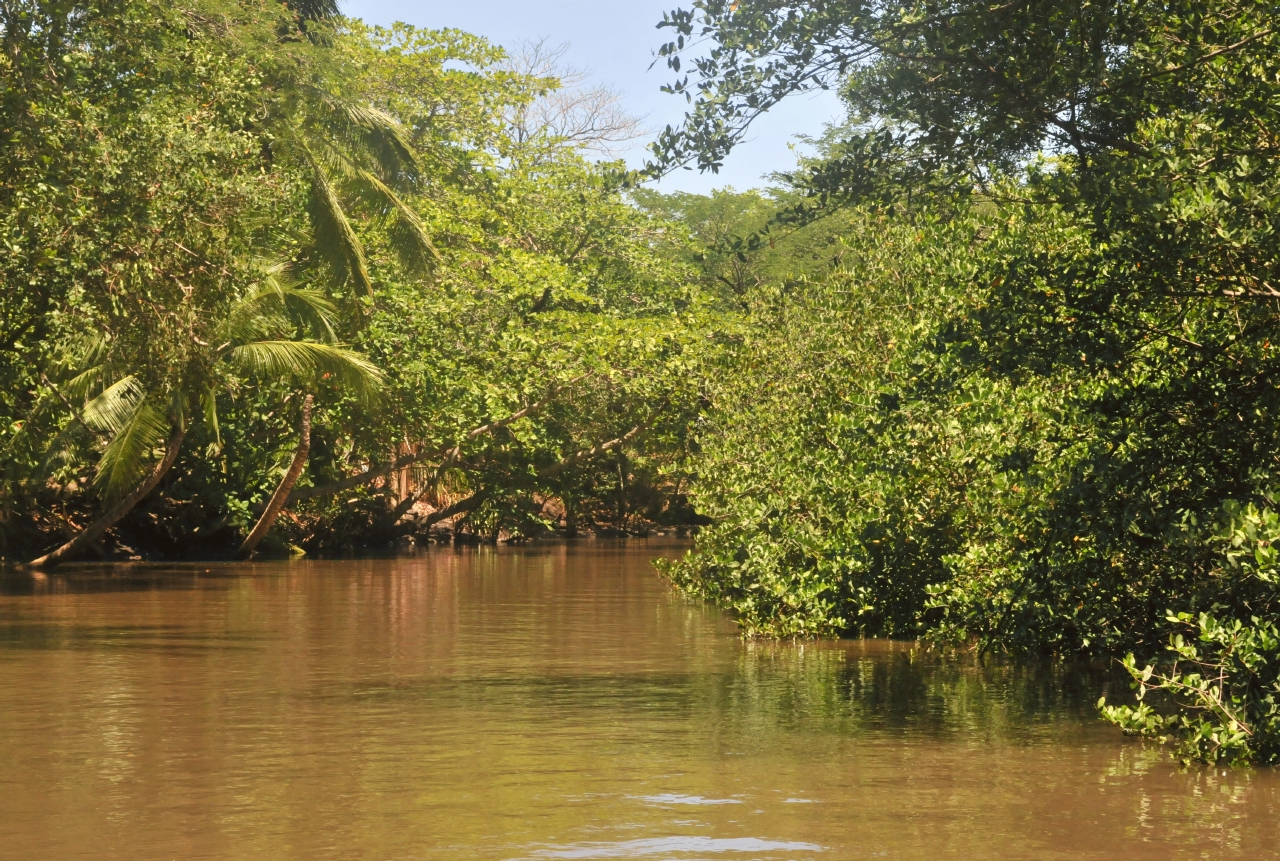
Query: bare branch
571,111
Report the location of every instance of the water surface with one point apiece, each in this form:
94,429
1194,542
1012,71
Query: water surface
551,703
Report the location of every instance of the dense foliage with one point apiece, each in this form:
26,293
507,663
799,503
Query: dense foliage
263,260
994,367
1039,373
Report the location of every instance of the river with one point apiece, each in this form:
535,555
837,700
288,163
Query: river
557,702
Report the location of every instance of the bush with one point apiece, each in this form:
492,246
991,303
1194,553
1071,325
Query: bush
1218,696
1220,692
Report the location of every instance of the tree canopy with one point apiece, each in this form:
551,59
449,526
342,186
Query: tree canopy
1028,405
246,237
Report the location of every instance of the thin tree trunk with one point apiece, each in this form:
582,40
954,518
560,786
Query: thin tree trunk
377,472
281,496
95,530
473,501
622,492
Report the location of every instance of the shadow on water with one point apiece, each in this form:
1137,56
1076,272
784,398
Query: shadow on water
901,686
114,577
836,687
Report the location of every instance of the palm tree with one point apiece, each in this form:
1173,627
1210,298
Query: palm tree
281,497
352,153
134,395
132,418
362,151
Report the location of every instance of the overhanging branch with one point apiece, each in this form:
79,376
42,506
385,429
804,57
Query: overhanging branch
474,500
374,473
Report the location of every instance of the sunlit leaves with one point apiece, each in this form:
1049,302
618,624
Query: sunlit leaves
307,361
125,458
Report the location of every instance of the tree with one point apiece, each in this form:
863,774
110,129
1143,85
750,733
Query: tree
132,418
157,367
566,110
1089,391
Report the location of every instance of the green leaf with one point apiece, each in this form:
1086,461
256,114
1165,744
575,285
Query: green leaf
124,461
308,360
115,406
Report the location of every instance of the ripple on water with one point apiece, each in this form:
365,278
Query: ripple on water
673,847
676,798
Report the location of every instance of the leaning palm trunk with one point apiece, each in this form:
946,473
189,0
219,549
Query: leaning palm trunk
281,496
95,530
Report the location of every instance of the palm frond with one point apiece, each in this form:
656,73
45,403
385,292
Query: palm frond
78,387
28,430
209,402
274,303
248,321
411,238
336,238
115,406
313,309
125,459
281,276
309,359
63,448
82,351
314,10
81,364
377,133
179,406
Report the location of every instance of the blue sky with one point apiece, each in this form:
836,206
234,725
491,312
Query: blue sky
616,42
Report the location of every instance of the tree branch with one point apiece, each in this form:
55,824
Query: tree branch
474,500
585,454
375,473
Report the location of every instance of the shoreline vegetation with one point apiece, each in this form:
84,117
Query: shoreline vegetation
995,368
287,280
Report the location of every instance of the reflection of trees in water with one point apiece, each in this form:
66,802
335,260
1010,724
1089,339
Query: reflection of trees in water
900,686
1027,731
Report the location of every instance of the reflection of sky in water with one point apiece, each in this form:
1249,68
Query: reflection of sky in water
667,845
675,798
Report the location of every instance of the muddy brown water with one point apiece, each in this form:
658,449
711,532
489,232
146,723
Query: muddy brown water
549,703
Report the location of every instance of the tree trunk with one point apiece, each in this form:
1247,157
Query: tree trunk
449,454
621,517
474,500
281,496
462,506
95,530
